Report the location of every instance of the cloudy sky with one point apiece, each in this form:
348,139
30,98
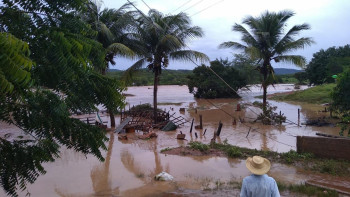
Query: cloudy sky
329,21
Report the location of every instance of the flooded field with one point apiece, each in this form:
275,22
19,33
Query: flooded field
131,165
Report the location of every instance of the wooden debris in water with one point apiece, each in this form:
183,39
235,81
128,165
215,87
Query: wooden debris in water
148,135
122,137
181,136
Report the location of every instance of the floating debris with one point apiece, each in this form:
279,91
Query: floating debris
169,127
163,176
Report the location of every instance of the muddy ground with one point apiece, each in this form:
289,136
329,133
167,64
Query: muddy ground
130,165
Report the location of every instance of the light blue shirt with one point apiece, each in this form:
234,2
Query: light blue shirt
259,186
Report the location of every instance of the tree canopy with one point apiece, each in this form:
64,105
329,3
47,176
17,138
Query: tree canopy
326,63
47,71
341,100
203,84
266,39
163,37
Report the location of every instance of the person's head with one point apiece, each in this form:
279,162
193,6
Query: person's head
258,165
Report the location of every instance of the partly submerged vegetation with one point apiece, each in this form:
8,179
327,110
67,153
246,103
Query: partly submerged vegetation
304,160
203,83
55,54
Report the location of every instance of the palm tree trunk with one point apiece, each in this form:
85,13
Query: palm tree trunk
111,115
264,96
110,111
264,85
155,91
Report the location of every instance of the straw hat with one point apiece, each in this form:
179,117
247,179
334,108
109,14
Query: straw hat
258,165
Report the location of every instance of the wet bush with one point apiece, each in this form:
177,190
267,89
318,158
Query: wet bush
328,166
233,152
292,156
269,116
142,107
307,190
199,146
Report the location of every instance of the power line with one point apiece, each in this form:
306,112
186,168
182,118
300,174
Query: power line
217,76
253,129
181,6
207,7
146,4
207,66
192,6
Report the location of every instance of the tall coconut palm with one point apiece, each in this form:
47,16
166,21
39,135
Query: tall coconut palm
164,37
113,27
265,40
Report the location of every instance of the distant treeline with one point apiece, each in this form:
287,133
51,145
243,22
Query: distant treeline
145,77
180,77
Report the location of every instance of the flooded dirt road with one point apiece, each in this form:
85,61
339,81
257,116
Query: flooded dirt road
131,165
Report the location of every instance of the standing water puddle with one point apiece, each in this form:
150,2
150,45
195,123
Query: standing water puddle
131,165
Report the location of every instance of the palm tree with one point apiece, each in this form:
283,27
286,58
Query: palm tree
113,27
163,37
265,40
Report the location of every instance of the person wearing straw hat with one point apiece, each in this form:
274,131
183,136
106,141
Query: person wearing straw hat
259,183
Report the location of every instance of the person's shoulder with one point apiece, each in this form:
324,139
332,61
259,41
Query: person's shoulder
270,178
250,177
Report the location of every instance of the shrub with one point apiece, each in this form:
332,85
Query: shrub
199,146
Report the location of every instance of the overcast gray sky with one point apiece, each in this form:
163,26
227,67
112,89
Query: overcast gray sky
329,21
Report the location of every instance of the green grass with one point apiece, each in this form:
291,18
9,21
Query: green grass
318,95
165,149
306,160
307,190
199,146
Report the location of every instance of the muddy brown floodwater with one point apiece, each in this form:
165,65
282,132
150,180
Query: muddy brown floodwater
130,165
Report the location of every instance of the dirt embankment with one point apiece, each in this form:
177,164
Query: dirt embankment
184,151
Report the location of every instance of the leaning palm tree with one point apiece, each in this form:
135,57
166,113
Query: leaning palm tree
163,38
265,40
113,27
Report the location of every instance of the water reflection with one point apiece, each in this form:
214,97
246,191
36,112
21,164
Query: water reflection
100,175
131,164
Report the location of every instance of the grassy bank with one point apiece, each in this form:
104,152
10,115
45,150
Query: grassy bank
306,190
318,95
234,187
305,160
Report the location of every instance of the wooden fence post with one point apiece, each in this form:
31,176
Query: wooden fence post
191,126
298,117
219,129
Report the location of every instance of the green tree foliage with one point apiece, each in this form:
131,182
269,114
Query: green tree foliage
15,67
144,77
326,63
341,100
247,68
164,37
266,40
112,29
203,84
39,99
301,77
